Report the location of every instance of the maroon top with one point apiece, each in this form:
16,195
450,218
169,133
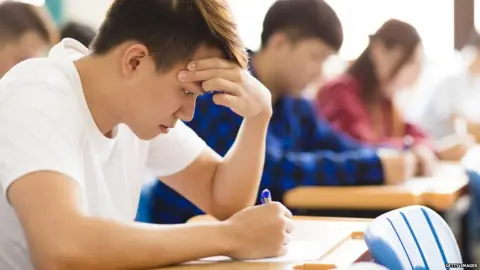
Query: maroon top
339,101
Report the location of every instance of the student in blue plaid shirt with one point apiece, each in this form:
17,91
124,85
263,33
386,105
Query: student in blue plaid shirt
302,150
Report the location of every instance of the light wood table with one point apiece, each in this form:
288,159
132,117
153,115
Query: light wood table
439,192
343,254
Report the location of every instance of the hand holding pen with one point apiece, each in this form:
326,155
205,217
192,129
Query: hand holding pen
398,165
258,232
425,158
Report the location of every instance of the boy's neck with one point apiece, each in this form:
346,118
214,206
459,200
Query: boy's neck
266,71
98,86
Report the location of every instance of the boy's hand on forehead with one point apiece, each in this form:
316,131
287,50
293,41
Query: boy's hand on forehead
234,87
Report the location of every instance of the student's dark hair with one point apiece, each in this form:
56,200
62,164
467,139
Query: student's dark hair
80,32
17,18
393,34
172,30
301,19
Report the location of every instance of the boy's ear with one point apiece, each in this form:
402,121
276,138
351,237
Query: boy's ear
278,41
133,58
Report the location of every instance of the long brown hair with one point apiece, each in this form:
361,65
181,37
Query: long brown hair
393,33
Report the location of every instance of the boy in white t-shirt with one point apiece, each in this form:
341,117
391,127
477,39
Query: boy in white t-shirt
80,131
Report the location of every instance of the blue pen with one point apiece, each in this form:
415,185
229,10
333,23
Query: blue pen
266,196
214,92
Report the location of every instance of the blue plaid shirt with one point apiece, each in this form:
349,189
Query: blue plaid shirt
300,151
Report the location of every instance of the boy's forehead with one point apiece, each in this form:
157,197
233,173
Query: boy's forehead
207,52
317,43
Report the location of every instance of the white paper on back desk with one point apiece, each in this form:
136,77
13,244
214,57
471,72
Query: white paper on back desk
420,184
307,244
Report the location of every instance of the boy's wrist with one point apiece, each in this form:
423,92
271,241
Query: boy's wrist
223,237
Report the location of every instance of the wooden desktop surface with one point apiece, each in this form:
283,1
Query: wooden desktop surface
344,254
439,192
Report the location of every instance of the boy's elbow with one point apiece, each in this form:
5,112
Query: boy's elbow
225,212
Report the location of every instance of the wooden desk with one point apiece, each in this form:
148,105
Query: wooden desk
344,254
439,192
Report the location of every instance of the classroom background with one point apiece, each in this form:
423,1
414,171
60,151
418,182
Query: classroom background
444,26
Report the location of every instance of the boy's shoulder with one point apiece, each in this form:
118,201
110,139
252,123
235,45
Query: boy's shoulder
36,77
40,92
37,70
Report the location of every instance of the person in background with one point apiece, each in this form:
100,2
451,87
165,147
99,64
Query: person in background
80,32
361,103
298,36
452,113
25,32
453,108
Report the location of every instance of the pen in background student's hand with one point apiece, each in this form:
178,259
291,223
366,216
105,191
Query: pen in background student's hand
407,143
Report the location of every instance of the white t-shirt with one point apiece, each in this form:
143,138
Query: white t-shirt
456,95
45,124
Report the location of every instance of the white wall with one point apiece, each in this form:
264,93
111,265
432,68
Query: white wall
357,17
249,15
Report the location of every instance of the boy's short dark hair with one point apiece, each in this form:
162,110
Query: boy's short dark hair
18,18
80,32
172,30
301,19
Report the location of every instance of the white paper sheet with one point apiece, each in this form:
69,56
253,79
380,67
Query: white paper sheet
309,242
421,183
297,251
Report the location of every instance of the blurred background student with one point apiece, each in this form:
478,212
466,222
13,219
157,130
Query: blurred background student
453,107
361,102
26,31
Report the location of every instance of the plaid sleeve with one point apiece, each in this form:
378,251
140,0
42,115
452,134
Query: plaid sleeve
320,134
216,125
159,204
285,170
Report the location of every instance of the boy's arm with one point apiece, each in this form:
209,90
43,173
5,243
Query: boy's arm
41,174
222,187
61,236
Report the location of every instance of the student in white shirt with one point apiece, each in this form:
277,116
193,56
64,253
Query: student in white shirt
80,131
456,100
